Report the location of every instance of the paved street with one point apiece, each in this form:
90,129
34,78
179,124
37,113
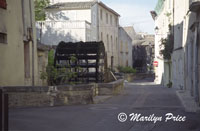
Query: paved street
138,97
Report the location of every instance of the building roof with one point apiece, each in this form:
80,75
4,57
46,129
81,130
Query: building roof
108,8
153,14
121,29
72,5
79,5
131,31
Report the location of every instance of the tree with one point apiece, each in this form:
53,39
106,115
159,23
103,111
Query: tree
39,9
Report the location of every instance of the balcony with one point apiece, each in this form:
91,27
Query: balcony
195,5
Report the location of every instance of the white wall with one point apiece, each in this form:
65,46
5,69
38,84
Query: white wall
51,33
65,25
64,15
125,49
92,33
109,29
59,1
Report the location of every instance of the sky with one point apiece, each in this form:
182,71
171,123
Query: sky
134,13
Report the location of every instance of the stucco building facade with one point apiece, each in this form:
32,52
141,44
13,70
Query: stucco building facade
18,49
184,18
163,18
81,20
125,49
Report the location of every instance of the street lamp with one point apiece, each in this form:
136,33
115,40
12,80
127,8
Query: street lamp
156,30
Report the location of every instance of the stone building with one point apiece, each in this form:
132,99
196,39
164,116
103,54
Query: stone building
163,18
18,49
125,49
81,20
142,50
183,15
192,47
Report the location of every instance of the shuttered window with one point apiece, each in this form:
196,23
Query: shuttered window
3,4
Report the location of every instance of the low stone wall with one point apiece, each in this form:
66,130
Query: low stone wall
59,95
49,96
130,77
139,76
112,88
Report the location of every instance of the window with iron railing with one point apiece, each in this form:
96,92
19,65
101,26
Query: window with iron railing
3,4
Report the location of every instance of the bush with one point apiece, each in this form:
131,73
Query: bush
126,69
56,76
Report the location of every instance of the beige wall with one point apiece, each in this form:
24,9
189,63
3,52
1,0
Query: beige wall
108,33
125,49
12,53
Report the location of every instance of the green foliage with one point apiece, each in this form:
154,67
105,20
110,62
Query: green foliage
56,76
168,44
126,69
39,9
168,14
169,85
51,57
73,59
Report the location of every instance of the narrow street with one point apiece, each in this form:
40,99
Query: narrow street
138,97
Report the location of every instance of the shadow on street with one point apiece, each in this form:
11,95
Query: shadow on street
141,97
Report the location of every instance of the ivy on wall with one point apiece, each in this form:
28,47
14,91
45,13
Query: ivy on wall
40,5
168,44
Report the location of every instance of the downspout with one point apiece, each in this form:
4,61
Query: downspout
198,87
171,69
97,19
32,40
196,63
173,17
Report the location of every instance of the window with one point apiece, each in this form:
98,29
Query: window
126,62
121,47
106,18
3,4
101,14
108,42
111,43
111,19
116,21
27,71
94,19
126,47
3,38
116,44
101,36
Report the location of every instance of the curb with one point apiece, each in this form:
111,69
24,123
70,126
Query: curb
187,101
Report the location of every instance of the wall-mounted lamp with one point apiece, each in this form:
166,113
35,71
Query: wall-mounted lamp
156,30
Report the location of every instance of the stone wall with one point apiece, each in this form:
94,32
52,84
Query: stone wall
139,76
45,96
112,88
129,77
49,96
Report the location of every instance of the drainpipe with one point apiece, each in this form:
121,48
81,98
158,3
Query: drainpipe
97,19
196,63
173,16
32,40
